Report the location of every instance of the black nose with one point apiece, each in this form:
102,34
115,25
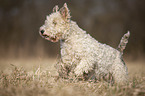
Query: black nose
42,31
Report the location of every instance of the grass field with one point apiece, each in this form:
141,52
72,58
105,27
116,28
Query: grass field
38,77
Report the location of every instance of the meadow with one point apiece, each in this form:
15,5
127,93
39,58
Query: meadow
38,77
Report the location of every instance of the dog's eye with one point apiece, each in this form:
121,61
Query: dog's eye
54,22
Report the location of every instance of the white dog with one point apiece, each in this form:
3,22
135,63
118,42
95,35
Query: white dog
80,53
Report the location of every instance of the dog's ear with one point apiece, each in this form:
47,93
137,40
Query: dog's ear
55,9
65,13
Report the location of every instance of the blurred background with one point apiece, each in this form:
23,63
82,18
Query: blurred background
105,20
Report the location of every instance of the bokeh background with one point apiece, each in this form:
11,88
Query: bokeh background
105,20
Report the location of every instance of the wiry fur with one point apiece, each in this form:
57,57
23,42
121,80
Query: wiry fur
81,54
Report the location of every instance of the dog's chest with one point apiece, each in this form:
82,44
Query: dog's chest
69,55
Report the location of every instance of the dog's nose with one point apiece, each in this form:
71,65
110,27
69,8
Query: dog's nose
42,31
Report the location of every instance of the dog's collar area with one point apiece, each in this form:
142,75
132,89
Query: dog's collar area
62,40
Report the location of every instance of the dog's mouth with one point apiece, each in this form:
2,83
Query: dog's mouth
50,38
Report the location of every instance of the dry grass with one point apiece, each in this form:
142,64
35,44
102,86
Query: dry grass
38,77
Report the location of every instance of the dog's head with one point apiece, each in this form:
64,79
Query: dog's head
56,24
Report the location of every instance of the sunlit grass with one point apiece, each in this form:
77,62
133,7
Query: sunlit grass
38,77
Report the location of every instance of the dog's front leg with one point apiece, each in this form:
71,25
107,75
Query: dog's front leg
62,69
85,66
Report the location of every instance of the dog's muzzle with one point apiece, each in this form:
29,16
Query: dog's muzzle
48,37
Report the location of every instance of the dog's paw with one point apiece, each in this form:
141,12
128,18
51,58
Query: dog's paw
78,72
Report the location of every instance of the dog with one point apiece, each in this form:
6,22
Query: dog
81,54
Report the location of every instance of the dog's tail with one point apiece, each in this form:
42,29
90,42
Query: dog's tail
123,42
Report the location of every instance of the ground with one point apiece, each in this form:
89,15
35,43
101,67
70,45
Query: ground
38,77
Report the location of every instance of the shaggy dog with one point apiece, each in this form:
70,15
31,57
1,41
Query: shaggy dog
81,54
